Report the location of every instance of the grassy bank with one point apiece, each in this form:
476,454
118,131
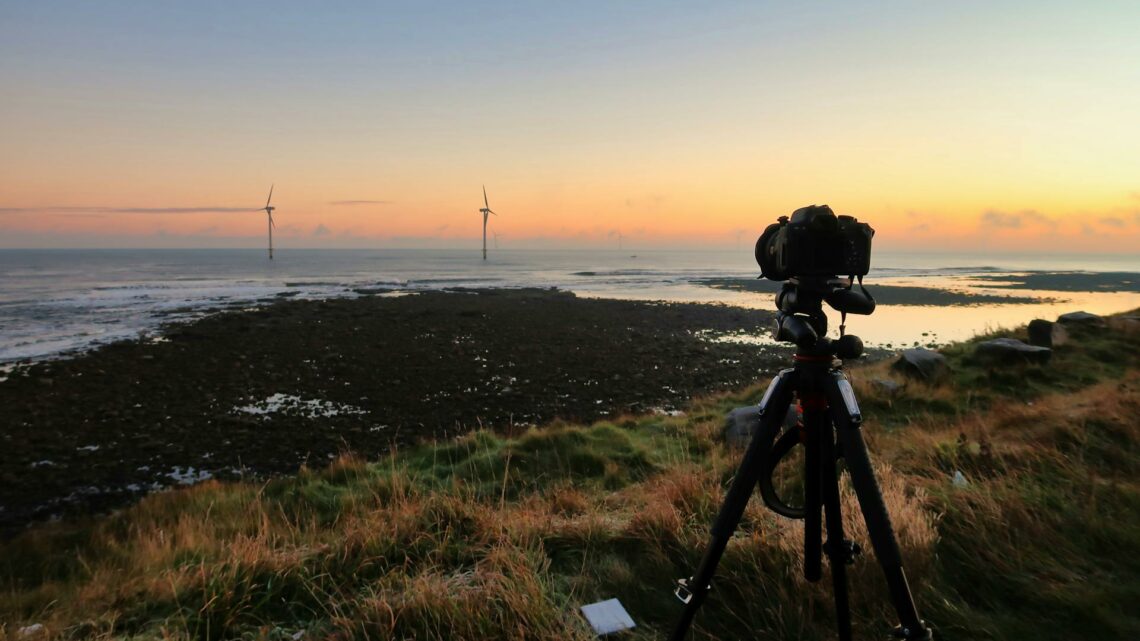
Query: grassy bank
494,536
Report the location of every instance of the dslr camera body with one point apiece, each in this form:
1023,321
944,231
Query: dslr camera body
814,242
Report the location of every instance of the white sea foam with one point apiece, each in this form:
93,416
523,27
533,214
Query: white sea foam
188,475
54,302
290,404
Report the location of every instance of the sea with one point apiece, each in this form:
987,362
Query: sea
59,302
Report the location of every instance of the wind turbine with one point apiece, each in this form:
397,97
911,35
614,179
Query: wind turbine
269,211
496,235
486,210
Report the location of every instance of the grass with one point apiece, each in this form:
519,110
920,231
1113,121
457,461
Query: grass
492,536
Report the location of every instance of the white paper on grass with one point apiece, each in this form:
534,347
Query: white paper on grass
606,617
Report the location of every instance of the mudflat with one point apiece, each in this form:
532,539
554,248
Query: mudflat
263,391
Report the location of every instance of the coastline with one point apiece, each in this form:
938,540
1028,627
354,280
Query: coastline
257,391
267,390
995,477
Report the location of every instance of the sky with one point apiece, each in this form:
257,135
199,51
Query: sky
966,126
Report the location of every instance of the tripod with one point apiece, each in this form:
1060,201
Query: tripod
832,430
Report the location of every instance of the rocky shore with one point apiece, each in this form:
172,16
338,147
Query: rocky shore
264,391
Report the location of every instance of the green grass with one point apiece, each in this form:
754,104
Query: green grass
491,536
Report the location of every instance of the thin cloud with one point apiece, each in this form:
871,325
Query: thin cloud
353,203
321,230
1004,220
921,222
1113,221
126,210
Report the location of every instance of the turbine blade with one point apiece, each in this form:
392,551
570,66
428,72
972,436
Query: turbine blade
271,223
485,197
491,212
270,196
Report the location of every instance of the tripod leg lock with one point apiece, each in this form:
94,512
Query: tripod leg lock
854,415
685,591
921,633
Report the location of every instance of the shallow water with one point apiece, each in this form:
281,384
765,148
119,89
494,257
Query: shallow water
56,301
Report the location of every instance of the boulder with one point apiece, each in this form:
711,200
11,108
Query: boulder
922,364
1129,325
1081,319
741,423
888,387
1060,335
1041,332
1044,333
1010,351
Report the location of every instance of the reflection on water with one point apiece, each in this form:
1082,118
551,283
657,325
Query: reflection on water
910,325
905,326
53,301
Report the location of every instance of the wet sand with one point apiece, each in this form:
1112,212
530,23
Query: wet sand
95,431
1065,281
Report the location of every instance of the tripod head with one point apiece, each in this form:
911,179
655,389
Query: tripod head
801,320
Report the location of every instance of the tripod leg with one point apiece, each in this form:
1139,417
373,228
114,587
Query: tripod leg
839,551
773,409
815,423
848,426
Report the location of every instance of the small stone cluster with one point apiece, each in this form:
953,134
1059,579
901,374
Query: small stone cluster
931,367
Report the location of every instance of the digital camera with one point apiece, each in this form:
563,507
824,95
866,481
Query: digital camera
814,242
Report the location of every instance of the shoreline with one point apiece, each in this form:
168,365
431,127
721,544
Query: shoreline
572,513
98,309
893,295
267,390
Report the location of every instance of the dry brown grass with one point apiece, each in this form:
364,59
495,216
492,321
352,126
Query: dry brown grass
503,538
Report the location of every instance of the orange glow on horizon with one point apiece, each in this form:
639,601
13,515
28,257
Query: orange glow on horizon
945,129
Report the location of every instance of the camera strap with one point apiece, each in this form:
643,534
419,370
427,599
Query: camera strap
865,292
843,314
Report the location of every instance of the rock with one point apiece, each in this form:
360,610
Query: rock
741,423
1041,332
1082,319
922,364
32,630
959,479
1046,334
1010,351
887,386
1059,335
1125,324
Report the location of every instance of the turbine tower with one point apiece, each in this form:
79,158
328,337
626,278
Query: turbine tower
269,212
486,210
